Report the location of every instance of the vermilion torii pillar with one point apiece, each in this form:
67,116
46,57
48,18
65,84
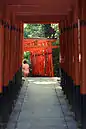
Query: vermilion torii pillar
76,46
61,43
1,52
21,42
61,26
66,54
69,44
76,73
17,48
68,49
66,46
6,18
11,48
83,62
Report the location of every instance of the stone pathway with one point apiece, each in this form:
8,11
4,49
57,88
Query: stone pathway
41,105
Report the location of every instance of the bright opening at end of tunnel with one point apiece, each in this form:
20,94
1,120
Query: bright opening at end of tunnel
41,50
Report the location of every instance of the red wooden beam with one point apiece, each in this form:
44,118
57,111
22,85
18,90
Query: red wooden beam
43,19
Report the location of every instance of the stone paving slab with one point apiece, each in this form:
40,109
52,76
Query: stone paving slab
41,105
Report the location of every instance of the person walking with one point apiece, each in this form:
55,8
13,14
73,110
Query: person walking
25,68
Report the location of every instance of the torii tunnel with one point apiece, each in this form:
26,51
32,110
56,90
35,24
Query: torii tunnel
71,16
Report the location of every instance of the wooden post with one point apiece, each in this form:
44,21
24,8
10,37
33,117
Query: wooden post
6,47
1,53
83,63
12,49
76,73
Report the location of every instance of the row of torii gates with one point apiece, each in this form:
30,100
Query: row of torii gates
40,55
71,15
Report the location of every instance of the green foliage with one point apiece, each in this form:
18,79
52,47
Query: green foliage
56,43
56,28
27,56
46,28
41,31
25,34
55,53
33,31
51,30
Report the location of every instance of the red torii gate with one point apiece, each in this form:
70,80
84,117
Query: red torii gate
41,55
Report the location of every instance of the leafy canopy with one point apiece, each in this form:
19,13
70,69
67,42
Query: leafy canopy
41,31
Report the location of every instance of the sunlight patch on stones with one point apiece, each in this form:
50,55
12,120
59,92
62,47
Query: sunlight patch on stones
45,82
